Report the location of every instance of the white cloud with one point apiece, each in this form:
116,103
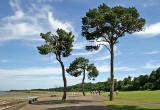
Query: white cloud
152,52
82,45
79,45
86,1
28,24
30,71
30,82
124,68
102,58
49,58
150,3
103,68
3,61
106,68
150,30
84,53
58,24
150,65
56,79
50,1
88,52
107,55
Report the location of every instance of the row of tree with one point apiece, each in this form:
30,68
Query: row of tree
142,82
104,26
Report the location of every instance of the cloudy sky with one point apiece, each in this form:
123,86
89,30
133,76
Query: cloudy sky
22,21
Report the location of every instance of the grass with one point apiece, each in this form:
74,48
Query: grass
124,106
141,96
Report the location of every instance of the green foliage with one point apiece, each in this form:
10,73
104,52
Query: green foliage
127,87
80,65
148,86
45,49
107,24
92,72
127,80
60,44
142,82
155,79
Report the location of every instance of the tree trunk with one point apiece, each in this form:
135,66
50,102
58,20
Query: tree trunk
83,83
64,81
112,73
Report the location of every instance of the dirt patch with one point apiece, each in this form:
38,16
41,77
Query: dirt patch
77,102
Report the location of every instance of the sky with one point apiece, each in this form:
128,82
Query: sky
22,21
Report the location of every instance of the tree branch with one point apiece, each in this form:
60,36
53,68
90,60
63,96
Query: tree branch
106,47
106,39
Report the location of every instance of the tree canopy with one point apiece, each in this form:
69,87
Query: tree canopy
80,65
107,24
77,66
60,44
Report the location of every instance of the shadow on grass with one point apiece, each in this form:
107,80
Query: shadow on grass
81,108
131,107
51,102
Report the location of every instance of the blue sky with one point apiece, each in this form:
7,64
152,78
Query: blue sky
21,22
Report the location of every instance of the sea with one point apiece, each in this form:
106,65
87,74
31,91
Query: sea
10,94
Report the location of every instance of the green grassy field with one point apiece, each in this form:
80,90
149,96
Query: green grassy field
124,106
141,96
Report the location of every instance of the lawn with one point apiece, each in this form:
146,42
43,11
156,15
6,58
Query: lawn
141,96
124,106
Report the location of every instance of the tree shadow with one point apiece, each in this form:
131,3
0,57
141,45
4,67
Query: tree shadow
94,107
73,96
51,102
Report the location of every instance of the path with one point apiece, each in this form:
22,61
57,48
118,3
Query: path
137,103
79,103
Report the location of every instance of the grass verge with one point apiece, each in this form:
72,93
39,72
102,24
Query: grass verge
124,106
141,96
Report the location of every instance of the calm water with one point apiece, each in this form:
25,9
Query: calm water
9,94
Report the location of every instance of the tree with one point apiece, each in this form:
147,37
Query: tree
154,78
61,46
108,24
80,65
120,85
143,79
136,83
127,80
